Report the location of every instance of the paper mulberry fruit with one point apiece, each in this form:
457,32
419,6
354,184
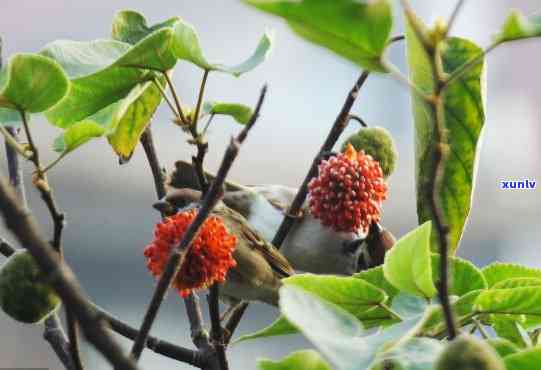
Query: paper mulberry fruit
348,192
208,260
25,293
378,143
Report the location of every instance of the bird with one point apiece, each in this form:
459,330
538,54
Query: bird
309,246
260,267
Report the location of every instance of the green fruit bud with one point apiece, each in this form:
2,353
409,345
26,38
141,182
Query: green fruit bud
379,144
24,293
469,353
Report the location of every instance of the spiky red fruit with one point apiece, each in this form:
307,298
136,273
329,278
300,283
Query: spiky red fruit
348,192
209,257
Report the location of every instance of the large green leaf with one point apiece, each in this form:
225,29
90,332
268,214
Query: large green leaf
114,70
524,360
186,46
131,27
463,117
240,112
408,264
305,360
518,26
355,296
497,272
356,30
32,83
132,118
515,301
336,333
517,283
464,275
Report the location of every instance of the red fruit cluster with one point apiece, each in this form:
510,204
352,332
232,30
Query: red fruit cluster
348,192
209,257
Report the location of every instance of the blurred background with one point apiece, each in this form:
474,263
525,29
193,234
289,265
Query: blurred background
108,206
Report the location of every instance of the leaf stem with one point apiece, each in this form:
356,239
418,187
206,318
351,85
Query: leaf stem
200,98
12,142
176,99
54,163
466,67
391,311
165,97
400,77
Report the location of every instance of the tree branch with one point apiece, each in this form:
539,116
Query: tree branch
61,277
177,255
193,309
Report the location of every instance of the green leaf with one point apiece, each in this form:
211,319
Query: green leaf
356,296
131,27
516,301
464,275
415,354
496,272
408,265
376,277
353,295
509,329
77,135
407,305
305,360
114,69
335,332
132,118
186,46
463,117
503,346
517,283
278,327
31,83
524,360
356,30
518,26
241,113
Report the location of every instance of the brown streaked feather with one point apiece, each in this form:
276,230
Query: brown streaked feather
275,259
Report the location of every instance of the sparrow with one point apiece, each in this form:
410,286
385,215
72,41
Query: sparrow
260,266
309,245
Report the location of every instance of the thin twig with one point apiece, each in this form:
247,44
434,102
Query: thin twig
193,309
354,117
176,257
453,17
73,335
234,320
165,97
147,141
338,127
14,144
217,333
467,66
61,277
157,345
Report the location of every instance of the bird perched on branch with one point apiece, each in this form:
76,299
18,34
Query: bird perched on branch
309,246
258,266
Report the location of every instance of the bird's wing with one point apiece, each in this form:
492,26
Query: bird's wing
276,260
